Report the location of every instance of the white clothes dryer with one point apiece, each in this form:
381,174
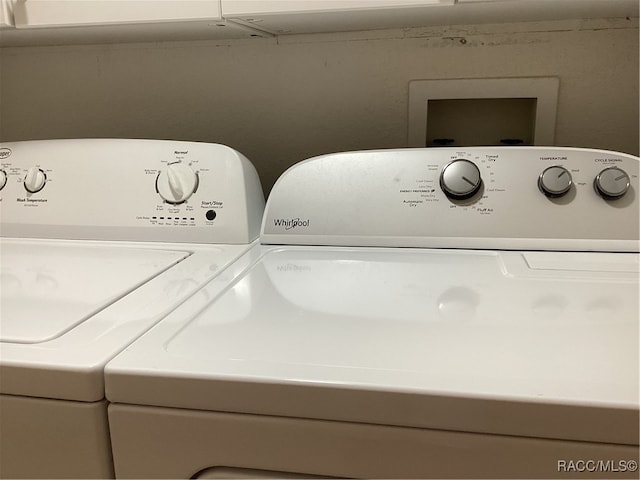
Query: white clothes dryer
100,240
415,313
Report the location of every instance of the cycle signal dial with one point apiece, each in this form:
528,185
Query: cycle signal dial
460,179
612,183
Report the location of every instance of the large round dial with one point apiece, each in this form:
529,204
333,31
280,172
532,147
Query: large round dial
555,181
612,183
35,180
177,182
3,179
460,179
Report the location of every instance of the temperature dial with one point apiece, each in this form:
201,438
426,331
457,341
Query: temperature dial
612,183
34,180
3,179
177,183
460,179
555,181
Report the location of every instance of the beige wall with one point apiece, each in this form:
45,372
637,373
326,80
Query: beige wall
282,100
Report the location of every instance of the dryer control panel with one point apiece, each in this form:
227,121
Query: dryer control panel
546,198
139,190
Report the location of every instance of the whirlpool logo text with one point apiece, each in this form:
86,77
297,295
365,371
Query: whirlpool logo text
290,223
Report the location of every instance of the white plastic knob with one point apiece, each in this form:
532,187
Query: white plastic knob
177,183
35,180
3,179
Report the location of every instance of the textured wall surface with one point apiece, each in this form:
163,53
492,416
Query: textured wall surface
285,99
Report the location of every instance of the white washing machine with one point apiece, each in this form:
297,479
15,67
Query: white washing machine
467,312
100,240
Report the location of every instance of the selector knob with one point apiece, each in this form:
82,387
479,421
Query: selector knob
555,181
35,180
177,183
3,179
460,179
612,183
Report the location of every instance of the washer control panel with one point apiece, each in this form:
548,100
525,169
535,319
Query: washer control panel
146,190
483,197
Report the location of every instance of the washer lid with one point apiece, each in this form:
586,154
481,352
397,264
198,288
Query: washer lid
48,289
128,286
456,340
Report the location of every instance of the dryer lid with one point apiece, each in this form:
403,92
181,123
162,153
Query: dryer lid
457,340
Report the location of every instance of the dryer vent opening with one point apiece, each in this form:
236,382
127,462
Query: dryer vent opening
481,122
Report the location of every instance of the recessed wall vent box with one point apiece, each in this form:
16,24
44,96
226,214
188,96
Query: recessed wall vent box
485,111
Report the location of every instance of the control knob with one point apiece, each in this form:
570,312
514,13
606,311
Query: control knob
34,180
612,183
3,179
177,183
555,181
460,179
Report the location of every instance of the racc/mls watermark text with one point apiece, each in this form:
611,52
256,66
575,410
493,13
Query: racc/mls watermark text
600,466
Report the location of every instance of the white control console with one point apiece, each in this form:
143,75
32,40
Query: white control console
537,198
138,190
